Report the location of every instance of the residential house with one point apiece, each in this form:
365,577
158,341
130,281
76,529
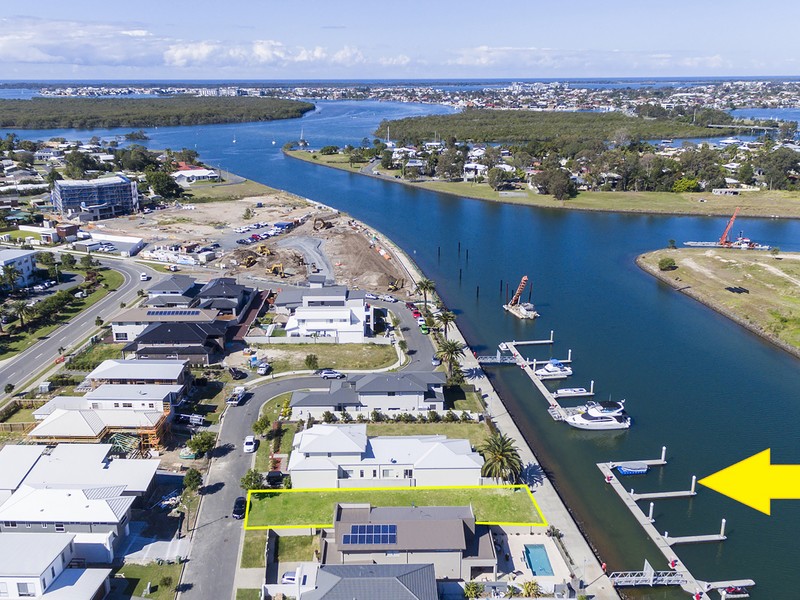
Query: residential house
474,170
198,343
95,199
398,582
189,176
328,311
227,297
42,566
130,324
24,261
140,372
175,291
45,154
341,456
389,393
445,536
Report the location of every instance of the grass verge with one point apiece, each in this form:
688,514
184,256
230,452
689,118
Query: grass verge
306,508
255,541
243,594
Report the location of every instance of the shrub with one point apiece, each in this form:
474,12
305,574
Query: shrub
450,417
328,417
667,264
433,416
312,362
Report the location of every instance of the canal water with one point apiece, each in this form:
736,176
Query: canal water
710,391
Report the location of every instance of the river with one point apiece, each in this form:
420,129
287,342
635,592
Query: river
710,391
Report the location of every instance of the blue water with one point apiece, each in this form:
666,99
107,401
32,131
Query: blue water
538,562
694,381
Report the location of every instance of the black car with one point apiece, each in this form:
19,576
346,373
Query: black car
237,374
239,506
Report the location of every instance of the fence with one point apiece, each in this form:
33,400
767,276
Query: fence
379,340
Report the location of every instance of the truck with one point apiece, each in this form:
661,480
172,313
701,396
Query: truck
236,396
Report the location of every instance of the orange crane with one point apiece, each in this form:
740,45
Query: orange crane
723,240
520,289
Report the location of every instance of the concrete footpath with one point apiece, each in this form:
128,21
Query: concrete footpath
584,563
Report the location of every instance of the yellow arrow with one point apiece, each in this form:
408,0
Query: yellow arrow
755,482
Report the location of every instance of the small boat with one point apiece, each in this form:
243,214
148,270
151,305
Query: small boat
588,420
565,392
234,139
632,468
273,142
553,370
503,347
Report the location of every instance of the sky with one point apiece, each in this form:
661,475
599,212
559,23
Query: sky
342,39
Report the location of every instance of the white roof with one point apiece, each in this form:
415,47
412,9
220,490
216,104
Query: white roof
114,179
7,255
195,173
15,463
332,438
424,452
68,505
125,391
138,369
74,584
65,402
26,554
63,423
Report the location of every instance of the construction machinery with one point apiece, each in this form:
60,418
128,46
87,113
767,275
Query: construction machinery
396,284
740,243
263,250
249,261
277,269
521,310
320,224
723,240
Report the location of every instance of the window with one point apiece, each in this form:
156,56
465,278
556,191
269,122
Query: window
44,525
25,589
391,393
116,404
127,405
151,405
374,473
95,405
3,590
60,527
10,524
408,473
63,559
53,572
120,337
362,473
386,473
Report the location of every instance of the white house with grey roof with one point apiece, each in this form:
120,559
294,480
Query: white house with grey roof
177,291
329,311
342,456
376,582
42,566
132,323
388,393
141,372
24,261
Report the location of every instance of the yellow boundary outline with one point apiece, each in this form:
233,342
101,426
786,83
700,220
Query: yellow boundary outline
507,486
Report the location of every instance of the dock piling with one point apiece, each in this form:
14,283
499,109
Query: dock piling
663,454
722,529
694,482
650,514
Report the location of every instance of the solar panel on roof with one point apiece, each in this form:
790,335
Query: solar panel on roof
370,534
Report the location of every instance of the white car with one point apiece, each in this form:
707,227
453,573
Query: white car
249,445
370,296
290,577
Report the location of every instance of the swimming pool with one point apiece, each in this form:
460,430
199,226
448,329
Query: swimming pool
536,557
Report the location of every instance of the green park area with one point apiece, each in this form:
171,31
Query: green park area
501,504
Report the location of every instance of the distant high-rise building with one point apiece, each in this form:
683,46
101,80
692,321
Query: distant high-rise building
95,199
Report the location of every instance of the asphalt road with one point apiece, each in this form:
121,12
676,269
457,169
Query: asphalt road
23,366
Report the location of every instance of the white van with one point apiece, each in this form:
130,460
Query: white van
144,277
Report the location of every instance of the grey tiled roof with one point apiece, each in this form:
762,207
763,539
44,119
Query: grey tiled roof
374,582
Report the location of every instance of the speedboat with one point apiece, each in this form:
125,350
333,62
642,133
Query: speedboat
631,468
553,370
564,392
598,422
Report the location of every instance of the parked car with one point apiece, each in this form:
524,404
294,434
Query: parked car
239,506
424,329
331,374
421,321
388,298
172,268
237,373
411,306
416,314
290,577
249,445
263,368
436,361
370,296
39,288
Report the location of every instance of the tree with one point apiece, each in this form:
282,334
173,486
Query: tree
45,258
774,251
312,362
686,184
20,310
425,286
666,263
87,262
247,214
202,442
10,275
9,387
252,480
450,164
473,589
745,173
556,182
671,245
496,178
192,480
328,150
788,130
501,457
445,319
68,261
532,589
449,352
163,184
328,417
51,178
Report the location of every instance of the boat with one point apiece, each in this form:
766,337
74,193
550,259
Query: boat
234,139
503,346
521,310
273,142
601,416
730,141
565,392
554,369
740,243
632,468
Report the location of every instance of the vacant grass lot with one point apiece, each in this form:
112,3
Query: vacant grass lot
219,192
291,357
300,508
296,548
768,298
138,577
338,161
475,432
92,356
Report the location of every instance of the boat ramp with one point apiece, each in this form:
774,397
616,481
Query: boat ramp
679,574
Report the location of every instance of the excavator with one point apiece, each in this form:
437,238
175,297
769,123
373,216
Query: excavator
396,284
263,250
320,224
277,269
249,261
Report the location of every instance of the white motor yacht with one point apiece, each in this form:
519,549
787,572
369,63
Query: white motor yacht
566,392
601,416
553,370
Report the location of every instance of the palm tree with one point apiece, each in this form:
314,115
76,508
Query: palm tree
425,286
10,275
444,319
450,351
501,457
473,589
532,589
19,309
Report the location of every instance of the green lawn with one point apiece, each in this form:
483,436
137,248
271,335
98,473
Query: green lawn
300,508
264,445
272,408
92,356
475,432
22,415
333,356
202,192
242,594
296,548
210,400
139,575
457,399
255,541
337,161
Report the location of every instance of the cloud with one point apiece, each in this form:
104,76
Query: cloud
348,56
